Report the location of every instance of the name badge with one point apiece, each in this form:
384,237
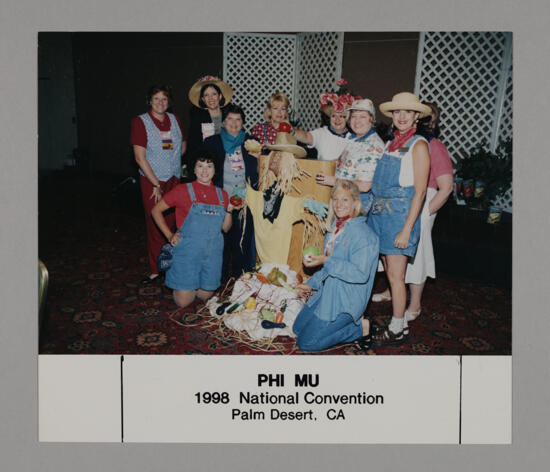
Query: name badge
236,161
208,130
166,138
403,149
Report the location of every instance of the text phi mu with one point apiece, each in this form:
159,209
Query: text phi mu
278,380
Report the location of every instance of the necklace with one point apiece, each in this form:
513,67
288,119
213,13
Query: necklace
202,188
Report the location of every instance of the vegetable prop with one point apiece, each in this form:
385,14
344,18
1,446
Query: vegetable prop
281,314
242,300
268,315
235,200
270,325
247,276
275,275
232,308
285,285
284,127
221,309
310,251
261,277
300,278
250,303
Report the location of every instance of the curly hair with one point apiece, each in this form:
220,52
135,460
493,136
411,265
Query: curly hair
205,154
156,88
233,108
277,97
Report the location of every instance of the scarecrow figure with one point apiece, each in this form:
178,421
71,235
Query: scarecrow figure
275,211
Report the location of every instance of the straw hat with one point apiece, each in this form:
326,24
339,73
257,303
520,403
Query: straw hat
405,101
195,91
287,143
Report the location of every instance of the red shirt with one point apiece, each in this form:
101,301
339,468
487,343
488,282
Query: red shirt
440,162
179,197
138,135
270,132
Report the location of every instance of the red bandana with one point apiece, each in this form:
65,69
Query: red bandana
340,222
401,138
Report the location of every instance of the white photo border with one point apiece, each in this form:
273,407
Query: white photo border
20,23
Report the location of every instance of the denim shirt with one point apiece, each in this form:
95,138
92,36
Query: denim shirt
345,281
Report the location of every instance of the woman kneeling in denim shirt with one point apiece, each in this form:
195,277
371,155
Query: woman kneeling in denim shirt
333,314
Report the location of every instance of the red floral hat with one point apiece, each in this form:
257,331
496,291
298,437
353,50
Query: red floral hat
339,100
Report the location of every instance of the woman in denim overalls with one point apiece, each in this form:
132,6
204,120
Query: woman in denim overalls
204,208
399,189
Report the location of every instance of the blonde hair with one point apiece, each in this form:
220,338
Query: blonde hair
352,188
277,97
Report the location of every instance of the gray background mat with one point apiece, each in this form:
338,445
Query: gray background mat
20,22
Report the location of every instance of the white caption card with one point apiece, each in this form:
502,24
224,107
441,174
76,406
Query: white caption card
229,399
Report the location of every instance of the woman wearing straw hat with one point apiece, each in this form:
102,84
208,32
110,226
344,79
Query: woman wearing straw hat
358,154
440,186
158,143
239,166
209,95
399,189
275,113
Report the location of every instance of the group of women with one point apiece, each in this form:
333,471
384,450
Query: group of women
383,202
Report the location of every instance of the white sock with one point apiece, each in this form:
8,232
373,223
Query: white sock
396,325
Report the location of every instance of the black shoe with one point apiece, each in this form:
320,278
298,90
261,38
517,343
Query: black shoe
149,280
389,338
364,343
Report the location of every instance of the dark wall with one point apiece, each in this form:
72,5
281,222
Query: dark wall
379,65
113,72
57,132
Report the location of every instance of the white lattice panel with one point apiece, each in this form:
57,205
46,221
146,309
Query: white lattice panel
319,66
468,75
257,65
504,200
505,128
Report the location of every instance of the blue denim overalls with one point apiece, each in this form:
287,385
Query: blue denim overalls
197,261
391,204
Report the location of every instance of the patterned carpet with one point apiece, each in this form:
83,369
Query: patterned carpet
93,244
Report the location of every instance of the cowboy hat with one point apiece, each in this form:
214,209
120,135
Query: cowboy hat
287,143
405,101
195,91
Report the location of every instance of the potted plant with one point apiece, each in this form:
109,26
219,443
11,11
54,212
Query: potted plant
489,174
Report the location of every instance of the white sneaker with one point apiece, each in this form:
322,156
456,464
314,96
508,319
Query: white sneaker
412,315
380,297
